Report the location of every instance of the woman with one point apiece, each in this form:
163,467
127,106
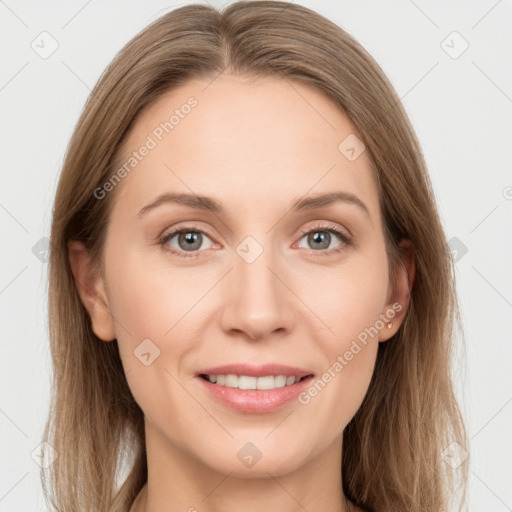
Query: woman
207,356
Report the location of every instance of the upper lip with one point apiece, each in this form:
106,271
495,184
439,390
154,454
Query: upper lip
256,371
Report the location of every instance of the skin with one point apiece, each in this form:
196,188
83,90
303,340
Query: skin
255,146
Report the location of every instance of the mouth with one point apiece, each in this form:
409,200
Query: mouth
254,389
245,382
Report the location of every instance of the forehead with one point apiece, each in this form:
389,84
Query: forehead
265,139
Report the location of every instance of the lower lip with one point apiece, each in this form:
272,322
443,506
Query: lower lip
257,401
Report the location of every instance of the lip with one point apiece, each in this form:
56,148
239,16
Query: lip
255,401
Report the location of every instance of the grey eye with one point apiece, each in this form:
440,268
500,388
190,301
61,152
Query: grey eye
189,240
319,239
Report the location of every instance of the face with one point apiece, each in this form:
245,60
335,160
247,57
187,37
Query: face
253,274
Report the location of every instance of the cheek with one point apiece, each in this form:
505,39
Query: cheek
348,302
347,299
151,296
154,300
152,304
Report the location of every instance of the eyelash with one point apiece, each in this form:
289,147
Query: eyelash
345,240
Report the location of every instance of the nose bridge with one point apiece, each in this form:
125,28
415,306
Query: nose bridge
258,281
259,302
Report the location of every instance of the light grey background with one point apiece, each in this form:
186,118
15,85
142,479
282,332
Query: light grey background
460,107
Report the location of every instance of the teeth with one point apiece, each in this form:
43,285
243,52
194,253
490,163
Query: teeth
243,382
249,382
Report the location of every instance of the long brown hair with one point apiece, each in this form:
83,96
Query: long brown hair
393,447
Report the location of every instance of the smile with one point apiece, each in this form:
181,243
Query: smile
266,382
254,389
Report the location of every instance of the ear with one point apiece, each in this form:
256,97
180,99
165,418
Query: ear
398,301
91,289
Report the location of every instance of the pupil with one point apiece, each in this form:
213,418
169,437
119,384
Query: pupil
191,238
320,236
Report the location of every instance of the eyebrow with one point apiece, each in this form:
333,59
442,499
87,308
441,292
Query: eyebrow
209,204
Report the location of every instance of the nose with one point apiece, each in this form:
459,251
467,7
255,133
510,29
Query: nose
259,302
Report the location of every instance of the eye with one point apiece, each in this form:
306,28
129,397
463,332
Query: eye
320,239
187,240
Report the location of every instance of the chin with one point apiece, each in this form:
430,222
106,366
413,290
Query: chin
248,462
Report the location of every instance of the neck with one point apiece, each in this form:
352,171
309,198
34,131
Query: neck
179,482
